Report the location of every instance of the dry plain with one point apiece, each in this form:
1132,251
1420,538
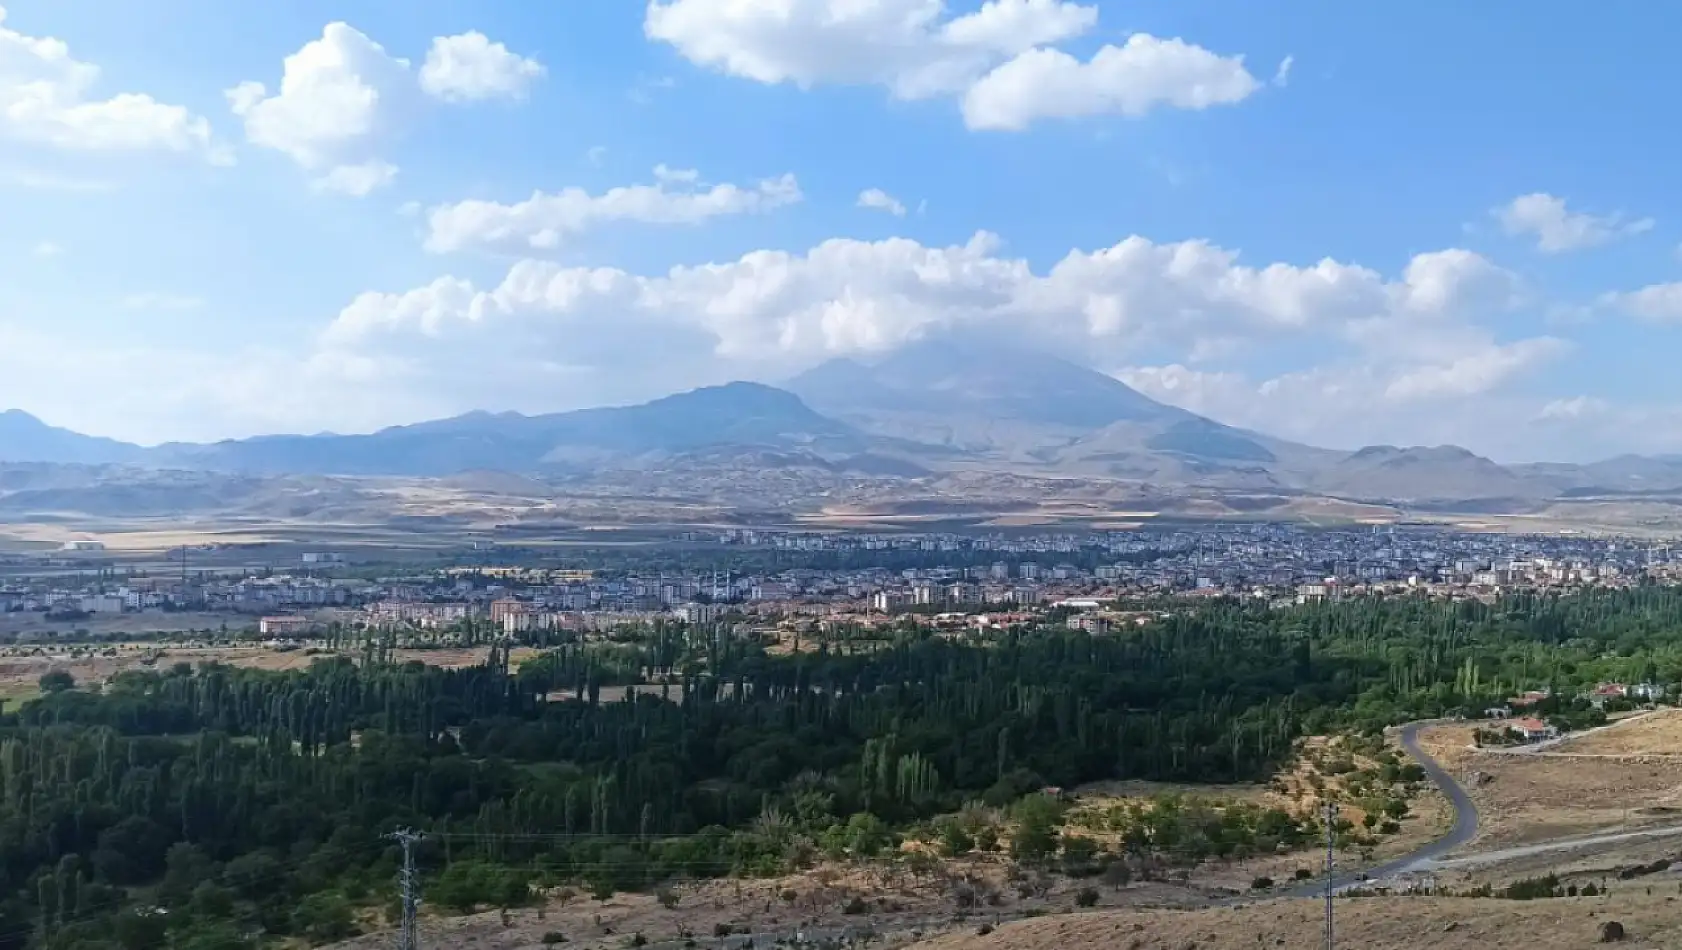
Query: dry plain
1625,776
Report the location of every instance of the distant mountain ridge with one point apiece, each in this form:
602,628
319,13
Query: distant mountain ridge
741,415
934,406
24,438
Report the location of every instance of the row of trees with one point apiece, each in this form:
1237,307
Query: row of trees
245,801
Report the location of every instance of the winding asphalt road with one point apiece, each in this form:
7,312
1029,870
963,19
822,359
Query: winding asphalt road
1465,826
1464,830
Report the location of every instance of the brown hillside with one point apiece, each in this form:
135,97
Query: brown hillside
1394,923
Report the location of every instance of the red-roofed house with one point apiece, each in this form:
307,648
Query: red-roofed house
1531,730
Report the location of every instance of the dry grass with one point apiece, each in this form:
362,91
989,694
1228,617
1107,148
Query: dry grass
21,667
1300,789
1524,799
1398,923
1658,733
148,623
895,902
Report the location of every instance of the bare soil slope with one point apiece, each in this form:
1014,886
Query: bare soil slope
1528,798
1397,923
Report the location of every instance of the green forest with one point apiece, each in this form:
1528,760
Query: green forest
197,808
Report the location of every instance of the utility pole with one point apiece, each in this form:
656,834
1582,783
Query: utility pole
1331,860
408,880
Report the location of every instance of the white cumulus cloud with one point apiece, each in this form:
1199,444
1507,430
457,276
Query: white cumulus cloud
1480,370
1557,229
470,67
1130,80
47,98
1659,303
879,200
335,100
356,180
342,98
1001,60
546,219
1577,407
1402,340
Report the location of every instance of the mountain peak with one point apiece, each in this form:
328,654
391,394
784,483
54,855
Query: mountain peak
956,377
25,438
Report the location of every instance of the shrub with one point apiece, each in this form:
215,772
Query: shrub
855,905
553,937
1261,884
1086,897
1532,888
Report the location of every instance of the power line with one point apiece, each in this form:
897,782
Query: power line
1331,860
408,879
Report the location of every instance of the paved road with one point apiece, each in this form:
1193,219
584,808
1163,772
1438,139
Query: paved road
1464,830
1558,844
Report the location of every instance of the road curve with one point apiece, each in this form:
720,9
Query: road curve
1465,826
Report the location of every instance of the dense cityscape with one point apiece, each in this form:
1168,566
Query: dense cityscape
996,578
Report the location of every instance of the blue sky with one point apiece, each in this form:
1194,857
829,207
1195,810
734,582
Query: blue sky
1458,223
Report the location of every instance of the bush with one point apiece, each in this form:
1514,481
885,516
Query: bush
465,885
1304,874
553,937
1533,888
1086,897
722,930
1261,884
855,905
983,930
56,681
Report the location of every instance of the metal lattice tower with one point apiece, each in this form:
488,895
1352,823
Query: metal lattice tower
1331,844
408,880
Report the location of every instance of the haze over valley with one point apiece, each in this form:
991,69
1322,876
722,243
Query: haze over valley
946,426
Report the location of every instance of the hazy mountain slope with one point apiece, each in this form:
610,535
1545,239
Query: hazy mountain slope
950,379
737,414
24,438
1019,410
1624,474
944,408
1435,473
